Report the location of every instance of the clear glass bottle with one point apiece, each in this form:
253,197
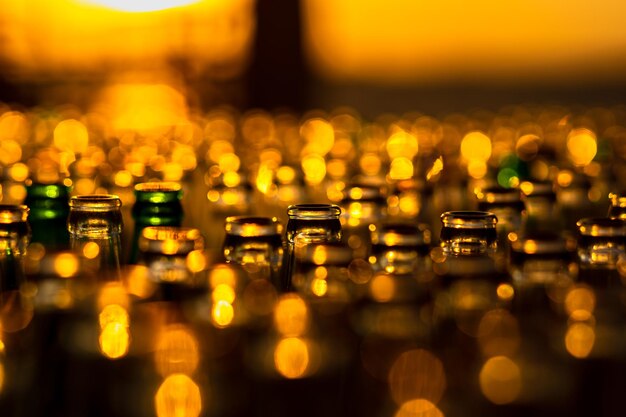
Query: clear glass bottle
95,226
362,206
307,224
542,211
601,244
14,238
156,204
166,253
256,244
506,204
48,204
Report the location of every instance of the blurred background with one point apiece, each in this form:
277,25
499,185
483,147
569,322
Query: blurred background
375,56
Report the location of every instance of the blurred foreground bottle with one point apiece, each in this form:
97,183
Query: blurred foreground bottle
14,238
156,204
48,204
468,288
308,223
95,226
255,243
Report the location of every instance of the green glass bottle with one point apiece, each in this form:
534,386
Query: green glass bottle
95,227
48,204
156,204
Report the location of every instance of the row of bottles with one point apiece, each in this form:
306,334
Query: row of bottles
335,312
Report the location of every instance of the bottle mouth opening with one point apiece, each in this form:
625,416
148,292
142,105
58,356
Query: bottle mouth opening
249,226
469,219
601,227
95,202
313,211
13,213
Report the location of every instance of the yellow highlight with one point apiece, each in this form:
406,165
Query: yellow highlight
178,396
223,292
176,351
196,261
319,135
1,376
222,274
19,172
382,288
291,357
370,163
401,169
579,340
66,265
417,374
319,287
113,293
476,146
114,340
500,380
113,313
314,168
580,298
264,178
71,135
291,315
505,292
222,313
435,169
320,255
285,175
402,144
91,250
582,146
418,408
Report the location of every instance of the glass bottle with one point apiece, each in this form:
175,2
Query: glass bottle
362,206
506,204
95,226
601,244
308,223
156,204
256,244
48,204
167,253
14,238
542,211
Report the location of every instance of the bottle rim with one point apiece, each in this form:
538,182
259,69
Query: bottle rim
252,226
469,219
601,226
314,211
158,192
13,213
95,202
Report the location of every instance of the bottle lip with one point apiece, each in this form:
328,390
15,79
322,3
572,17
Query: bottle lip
95,202
469,219
313,211
170,240
601,226
252,226
11,213
158,192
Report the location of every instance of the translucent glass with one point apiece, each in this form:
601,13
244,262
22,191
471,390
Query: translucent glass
362,206
165,250
400,247
308,223
602,241
254,241
506,204
97,220
468,232
14,237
